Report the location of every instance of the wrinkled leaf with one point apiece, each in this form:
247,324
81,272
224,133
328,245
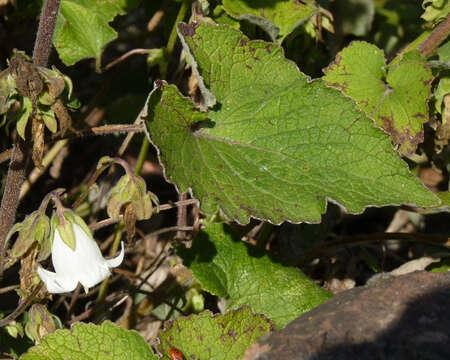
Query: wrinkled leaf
275,146
82,29
277,18
396,97
244,275
219,337
88,341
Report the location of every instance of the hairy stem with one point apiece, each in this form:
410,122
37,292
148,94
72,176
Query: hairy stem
439,34
16,171
47,22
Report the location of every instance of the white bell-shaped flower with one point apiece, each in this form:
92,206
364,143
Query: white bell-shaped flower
85,264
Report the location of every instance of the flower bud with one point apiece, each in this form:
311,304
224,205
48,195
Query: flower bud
41,322
131,189
35,227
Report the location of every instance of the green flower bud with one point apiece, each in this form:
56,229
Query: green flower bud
7,91
35,227
40,323
131,189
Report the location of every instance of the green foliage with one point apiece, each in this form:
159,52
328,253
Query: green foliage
275,145
244,275
34,228
220,337
88,341
82,29
277,18
394,96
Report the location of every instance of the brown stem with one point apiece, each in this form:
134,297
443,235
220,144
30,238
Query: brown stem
103,130
353,240
181,217
47,22
16,172
10,200
436,38
5,155
21,307
125,56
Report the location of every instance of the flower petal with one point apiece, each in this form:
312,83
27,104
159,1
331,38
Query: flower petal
92,267
112,263
56,284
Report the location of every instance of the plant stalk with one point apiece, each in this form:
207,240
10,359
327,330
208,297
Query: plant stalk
16,171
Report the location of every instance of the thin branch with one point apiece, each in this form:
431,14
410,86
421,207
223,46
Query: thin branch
21,307
125,56
104,130
110,221
439,34
8,289
6,155
357,239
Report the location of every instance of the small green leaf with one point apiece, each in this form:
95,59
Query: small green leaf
275,146
435,10
88,341
82,29
396,97
218,337
23,115
277,18
244,275
441,266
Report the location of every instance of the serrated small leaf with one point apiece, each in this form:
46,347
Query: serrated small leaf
88,341
244,275
396,97
277,18
275,146
218,337
82,29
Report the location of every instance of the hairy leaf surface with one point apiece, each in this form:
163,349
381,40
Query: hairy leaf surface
395,96
88,341
245,275
220,337
275,146
277,18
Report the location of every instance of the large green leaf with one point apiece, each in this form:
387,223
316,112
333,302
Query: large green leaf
244,275
82,29
275,146
219,337
88,341
277,18
395,96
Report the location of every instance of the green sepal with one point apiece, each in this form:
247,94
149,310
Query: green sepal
48,115
65,229
435,10
7,90
81,223
22,116
35,227
40,323
104,160
131,189
54,80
